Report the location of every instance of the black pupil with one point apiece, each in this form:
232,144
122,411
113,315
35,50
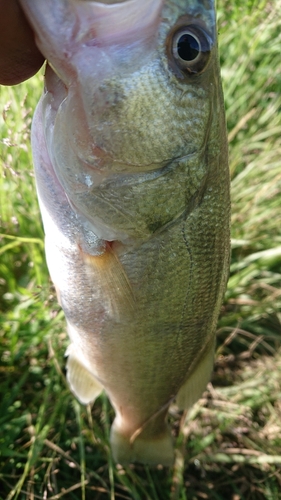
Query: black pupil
188,47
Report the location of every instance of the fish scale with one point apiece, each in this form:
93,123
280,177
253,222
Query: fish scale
130,156
132,121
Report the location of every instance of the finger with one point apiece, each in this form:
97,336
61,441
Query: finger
19,57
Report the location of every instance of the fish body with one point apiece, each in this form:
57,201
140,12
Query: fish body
130,155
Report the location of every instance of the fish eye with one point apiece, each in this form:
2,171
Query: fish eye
186,47
189,50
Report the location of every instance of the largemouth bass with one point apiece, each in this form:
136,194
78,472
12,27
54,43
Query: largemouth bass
130,155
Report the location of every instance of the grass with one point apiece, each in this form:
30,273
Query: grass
229,446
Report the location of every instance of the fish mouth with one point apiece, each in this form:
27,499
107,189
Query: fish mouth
98,22
106,23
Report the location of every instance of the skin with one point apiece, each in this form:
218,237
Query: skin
19,56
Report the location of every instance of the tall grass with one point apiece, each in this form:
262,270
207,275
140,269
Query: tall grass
229,446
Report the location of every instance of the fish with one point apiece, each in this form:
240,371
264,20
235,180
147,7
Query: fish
131,164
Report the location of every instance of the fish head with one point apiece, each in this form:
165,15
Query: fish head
131,87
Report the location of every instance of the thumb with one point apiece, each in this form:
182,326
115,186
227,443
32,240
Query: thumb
19,57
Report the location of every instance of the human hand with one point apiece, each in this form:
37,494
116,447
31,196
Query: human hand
19,57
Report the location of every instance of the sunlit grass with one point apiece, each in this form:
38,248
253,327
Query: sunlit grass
229,446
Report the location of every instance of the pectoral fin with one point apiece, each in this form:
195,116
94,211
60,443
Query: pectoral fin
82,383
192,389
113,282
